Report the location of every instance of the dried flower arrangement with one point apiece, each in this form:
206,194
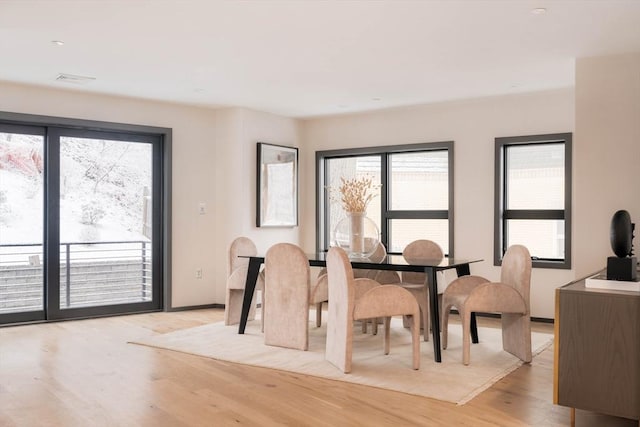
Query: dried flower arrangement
356,193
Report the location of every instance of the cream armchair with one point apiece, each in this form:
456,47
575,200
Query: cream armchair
415,282
320,290
356,299
286,305
237,269
319,295
510,297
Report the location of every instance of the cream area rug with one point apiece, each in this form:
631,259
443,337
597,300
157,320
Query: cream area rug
449,381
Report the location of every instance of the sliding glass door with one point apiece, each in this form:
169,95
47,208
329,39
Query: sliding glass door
105,221
80,223
22,296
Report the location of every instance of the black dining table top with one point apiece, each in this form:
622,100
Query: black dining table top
390,262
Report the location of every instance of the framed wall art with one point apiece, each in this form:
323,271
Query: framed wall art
277,186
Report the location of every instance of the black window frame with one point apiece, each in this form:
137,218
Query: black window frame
52,127
502,214
322,196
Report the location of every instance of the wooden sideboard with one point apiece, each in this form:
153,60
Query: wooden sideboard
597,350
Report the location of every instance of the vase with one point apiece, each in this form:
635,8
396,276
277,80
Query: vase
357,234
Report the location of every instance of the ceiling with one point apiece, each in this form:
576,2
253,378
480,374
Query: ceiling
309,58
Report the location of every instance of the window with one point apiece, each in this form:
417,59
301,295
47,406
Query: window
84,218
533,198
415,198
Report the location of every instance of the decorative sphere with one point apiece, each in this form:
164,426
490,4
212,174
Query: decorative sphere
357,234
621,234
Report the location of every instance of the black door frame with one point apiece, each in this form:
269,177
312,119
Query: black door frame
54,128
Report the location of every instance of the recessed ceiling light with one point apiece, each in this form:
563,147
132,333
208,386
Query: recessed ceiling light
198,90
376,99
342,106
57,42
539,11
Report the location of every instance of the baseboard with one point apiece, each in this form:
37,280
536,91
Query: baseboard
542,320
497,316
491,315
195,307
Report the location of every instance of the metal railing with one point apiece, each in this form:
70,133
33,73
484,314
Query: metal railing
91,273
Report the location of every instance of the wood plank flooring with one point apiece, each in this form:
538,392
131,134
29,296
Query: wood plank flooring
84,373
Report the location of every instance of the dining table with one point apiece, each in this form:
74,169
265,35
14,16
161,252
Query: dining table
391,262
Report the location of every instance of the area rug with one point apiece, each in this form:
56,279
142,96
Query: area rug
449,381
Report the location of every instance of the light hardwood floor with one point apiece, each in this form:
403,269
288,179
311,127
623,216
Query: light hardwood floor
84,373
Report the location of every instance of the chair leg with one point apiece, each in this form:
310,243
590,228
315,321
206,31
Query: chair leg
374,326
318,314
415,340
516,335
423,302
233,307
387,334
339,341
229,317
422,298
262,310
425,319
364,325
445,325
466,336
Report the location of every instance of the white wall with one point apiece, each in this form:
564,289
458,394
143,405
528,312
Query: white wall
213,162
606,154
473,125
238,131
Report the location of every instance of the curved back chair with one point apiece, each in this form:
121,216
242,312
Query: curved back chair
319,295
382,276
420,249
319,291
416,282
286,305
237,269
356,299
510,297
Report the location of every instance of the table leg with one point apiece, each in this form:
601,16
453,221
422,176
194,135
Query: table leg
463,270
435,312
249,290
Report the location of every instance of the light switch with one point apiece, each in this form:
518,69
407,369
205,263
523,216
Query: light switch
202,208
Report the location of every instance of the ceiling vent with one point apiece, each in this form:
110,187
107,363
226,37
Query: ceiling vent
70,78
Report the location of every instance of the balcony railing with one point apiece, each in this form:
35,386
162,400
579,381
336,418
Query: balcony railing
91,274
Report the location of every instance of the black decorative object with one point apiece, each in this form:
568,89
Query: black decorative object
622,234
624,265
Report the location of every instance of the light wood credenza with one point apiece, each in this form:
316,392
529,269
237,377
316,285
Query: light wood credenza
597,350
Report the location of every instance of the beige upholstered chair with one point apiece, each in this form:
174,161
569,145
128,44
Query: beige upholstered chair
286,305
237,269
353,299
319,295
319,291
415,282
381,276
510,297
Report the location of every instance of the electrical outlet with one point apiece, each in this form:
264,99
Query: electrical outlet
202,208
199,273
